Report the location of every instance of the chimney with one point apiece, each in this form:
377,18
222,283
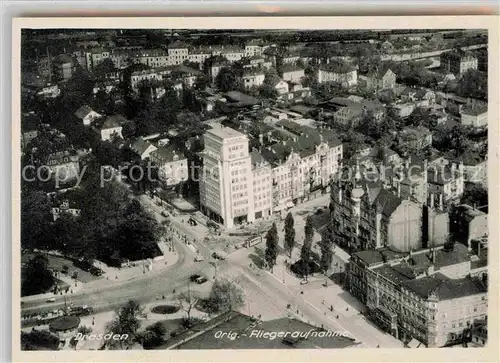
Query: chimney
441,207
432,201
433,256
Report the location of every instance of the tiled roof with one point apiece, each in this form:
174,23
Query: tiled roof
304,142
83,111
475,110
446,289
167,154
63,58
459,254
178,45
292,68
257,159
371,257
111,122
387,202
140,145
337,67
378,72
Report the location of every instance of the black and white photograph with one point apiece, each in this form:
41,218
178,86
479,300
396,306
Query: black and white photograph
223,189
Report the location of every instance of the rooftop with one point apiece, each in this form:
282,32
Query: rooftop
446,289
83,111
223,132
167,154
475,110
337,67
111,122
241,98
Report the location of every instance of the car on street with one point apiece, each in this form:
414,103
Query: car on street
219,255
201,280
51,300
192,222
199,258
193,278
303,282
96,271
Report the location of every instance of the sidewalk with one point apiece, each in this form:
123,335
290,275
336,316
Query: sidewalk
128,273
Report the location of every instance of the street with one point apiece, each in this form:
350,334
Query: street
266,293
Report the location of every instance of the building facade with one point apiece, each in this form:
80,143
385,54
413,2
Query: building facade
226,183
458,62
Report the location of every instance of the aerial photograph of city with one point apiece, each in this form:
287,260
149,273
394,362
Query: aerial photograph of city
253,189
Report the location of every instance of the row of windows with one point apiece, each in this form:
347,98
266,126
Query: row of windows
233,156
262,203
240,202
241,210
239,171
240,195
263,180
262,196
239,187
237,147
236,180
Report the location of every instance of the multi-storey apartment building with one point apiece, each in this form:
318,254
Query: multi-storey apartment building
178,52
172,165
303,161
338,72
379,79
95,57
427,295
253,78
262,185
458,62
153,58
226,183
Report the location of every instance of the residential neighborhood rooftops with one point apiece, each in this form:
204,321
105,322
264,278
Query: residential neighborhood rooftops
337,67
242,98
83,111
474,110
167,154
111,122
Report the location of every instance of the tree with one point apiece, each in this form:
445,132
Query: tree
36,277
153,335
305,252
271,246
225,295
38,340
326,255
289,233
473,84
454,140
187,300
105,67
35,217
127,322
475,195
226,80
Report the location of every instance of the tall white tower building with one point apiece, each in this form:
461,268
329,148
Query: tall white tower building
226,183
